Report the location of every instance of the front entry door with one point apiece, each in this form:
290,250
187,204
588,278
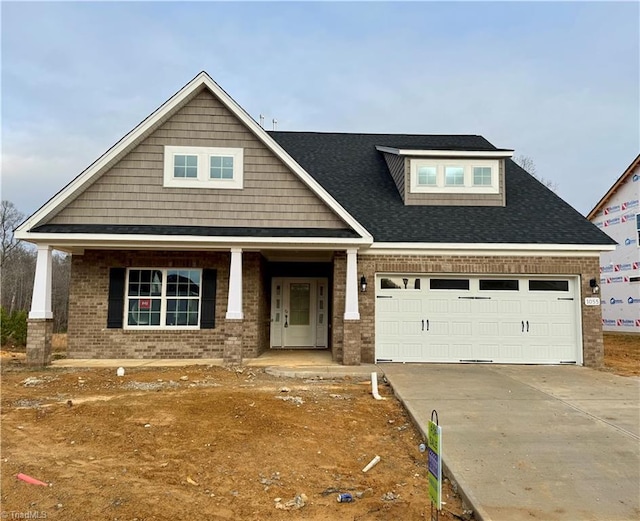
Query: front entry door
299,313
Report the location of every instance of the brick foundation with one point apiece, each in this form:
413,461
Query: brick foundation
351,343
39,334
233,342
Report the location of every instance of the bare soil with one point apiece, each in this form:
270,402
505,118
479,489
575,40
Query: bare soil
214,443
622,354
207,443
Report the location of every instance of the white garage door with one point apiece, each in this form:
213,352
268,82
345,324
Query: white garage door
519,320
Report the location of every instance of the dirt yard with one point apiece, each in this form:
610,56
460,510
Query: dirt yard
622,354
214,443
207,443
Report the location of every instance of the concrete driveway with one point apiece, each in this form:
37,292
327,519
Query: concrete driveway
532,442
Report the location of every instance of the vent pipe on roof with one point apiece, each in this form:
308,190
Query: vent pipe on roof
261,121
275,123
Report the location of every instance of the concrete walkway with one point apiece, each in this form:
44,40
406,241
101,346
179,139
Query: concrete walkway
532,442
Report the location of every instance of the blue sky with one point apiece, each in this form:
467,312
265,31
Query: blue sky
558,82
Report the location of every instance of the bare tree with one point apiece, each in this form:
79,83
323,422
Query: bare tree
10,218
526,163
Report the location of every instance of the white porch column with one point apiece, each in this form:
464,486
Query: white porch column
234,303
41,298
351,291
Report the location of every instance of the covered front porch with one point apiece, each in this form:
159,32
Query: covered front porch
269,306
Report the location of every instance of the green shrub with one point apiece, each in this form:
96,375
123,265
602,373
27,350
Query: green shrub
18,321
13,327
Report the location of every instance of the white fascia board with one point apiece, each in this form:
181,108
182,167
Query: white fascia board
134,135
446,153
186,242
506,249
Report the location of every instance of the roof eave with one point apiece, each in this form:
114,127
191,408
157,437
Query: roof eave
622,179
499,154
78,242
493,249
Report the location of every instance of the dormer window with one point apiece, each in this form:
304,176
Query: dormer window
454,176
482,176
447,177
203,167
427,176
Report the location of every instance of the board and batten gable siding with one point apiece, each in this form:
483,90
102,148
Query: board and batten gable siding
132,191
444,199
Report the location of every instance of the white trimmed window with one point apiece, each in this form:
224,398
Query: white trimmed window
482,176
163,298
203,167
455,176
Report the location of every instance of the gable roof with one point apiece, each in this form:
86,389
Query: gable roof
619,182
135,136
354,172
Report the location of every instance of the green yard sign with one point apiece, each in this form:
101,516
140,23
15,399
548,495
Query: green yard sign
434,452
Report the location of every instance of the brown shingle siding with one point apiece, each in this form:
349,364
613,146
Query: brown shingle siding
272,194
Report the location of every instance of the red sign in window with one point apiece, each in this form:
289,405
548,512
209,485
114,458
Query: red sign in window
144,303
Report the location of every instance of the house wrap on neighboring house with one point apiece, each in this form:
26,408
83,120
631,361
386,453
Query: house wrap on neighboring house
618,215
201,235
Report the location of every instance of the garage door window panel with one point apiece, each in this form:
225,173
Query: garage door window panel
499,285
449,284
399,283
548,285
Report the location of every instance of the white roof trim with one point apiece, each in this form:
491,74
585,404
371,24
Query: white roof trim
95,169
445,153
120,241
501,249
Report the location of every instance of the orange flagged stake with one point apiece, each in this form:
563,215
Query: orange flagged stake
31,480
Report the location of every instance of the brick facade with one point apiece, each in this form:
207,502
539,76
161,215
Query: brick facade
338,306
90,338
352,342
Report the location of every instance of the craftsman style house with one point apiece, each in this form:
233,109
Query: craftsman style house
201,235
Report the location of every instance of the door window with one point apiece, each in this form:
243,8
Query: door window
299,300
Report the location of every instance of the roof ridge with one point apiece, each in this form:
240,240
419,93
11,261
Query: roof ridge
369,133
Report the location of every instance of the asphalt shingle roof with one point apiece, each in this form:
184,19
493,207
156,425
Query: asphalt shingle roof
350,168
198,231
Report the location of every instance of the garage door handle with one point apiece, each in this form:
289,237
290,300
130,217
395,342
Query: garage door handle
527,326
523,326
423,325
427,325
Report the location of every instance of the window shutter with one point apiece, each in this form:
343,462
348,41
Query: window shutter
116,298
208,314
